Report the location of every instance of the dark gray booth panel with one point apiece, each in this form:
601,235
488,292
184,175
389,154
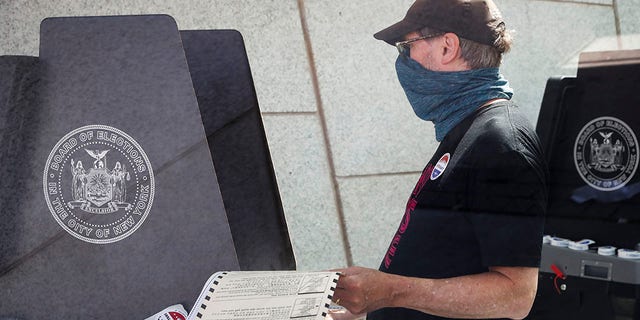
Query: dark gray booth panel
589,125
110,205
231,117
19,78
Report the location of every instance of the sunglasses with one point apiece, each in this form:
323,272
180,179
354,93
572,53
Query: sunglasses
404,46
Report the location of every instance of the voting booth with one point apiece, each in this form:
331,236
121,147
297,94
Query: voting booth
589,126
111,204
231,117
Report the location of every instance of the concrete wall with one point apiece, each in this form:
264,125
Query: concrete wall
345,143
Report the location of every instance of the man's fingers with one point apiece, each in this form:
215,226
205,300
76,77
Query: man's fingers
339,294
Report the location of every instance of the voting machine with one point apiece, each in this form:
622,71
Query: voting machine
589,126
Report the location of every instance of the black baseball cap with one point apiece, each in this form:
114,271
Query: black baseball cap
475,20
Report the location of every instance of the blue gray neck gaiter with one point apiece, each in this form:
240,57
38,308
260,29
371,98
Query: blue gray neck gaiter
446,98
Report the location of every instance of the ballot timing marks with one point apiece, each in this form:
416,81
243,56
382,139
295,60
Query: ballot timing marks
98,184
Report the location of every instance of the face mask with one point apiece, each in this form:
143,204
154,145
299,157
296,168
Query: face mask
446,98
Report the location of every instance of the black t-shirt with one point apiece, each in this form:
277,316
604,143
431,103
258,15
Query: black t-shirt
480,202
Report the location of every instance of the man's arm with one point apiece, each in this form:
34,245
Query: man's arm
502,292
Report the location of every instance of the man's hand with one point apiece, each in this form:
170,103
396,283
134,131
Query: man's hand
501,292
363,290
344,314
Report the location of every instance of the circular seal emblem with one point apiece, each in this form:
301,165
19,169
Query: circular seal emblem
98,184
606,153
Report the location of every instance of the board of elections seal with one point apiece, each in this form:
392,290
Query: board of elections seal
606,153
98,184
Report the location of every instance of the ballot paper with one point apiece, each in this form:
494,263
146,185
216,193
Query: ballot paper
262,295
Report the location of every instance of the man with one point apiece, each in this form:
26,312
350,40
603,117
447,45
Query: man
469,243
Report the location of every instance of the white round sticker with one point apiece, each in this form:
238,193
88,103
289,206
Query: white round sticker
440,166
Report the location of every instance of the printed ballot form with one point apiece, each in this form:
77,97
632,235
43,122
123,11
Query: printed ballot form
262,295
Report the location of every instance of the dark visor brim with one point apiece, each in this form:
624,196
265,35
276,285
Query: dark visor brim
397,31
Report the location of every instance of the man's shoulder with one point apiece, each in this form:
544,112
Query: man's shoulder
502,128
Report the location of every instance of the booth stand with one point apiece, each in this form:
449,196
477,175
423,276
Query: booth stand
588,126
111,206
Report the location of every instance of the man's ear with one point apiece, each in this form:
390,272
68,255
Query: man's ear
451,51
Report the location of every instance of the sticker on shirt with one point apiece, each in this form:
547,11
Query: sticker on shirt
438,170
606,153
